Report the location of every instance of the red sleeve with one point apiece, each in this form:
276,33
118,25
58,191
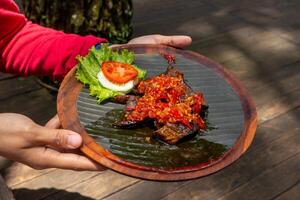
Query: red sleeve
30,49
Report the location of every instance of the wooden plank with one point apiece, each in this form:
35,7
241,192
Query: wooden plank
278,55
181,17
269,136
291,194
96,187
265,15
4,76
19,173
273,130
5,193
149,190
271,182
256,74
207,27
254,4
233,4
261,15
38,105
17,86
270,87
250,33
279,105
58,179
258,17
277,96
165,9
269,47
275,90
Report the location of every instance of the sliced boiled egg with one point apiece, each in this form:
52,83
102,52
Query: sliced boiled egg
117,76
120,87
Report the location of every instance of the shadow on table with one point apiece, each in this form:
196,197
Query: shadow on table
257,37
47,193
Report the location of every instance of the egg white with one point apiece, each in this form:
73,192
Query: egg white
114,86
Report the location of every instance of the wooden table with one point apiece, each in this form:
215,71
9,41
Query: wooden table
259,42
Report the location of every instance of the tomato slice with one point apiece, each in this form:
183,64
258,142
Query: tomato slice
118,72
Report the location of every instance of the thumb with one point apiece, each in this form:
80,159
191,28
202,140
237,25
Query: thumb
60,138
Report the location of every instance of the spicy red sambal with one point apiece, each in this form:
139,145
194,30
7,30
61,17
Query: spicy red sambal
168,99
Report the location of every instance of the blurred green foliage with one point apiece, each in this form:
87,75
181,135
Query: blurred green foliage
105,18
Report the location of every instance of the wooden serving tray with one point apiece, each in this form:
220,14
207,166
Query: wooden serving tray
130,152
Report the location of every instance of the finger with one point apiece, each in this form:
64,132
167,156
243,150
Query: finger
114,45
179,41
58,138
64,150
43,157
53,123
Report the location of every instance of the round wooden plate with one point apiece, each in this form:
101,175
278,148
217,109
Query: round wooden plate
133,152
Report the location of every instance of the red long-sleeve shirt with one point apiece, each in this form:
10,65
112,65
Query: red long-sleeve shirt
29,49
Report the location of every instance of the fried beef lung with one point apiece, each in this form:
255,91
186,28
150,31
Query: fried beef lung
176,110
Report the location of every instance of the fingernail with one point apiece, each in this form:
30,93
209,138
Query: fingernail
74,140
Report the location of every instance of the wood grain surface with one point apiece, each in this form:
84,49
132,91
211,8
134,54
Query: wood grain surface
256,40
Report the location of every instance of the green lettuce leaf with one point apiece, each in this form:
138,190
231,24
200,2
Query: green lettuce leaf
141,73
89,66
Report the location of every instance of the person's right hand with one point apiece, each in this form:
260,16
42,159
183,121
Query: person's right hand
177,41
41,147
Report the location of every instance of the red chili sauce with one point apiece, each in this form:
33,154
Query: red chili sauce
165,99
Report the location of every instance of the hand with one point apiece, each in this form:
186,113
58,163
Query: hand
41,147
178,41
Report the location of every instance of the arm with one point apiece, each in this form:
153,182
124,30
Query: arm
30,49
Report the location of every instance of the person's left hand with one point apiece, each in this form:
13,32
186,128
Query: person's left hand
177,41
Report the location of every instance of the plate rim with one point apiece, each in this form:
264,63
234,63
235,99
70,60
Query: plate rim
67,112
